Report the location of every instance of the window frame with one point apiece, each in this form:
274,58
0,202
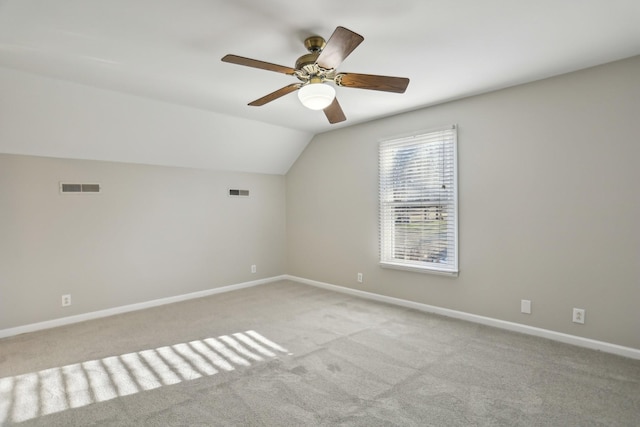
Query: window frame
387,260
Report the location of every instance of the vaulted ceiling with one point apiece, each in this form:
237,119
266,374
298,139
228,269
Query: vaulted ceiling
170,51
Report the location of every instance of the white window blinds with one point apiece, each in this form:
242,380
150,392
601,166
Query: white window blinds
418,202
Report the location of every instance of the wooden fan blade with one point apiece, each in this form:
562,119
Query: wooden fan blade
275,95
373,82
240,60
341,43
334,112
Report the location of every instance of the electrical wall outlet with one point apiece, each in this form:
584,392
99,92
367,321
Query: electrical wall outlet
525,306
359,277
578,315
66,300
253,268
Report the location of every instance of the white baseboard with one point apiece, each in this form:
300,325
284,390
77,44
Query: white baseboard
132,307
502,324
619,350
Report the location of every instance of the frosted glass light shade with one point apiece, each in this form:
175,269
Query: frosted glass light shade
316,96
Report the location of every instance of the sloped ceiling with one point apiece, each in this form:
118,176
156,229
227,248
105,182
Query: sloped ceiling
151,52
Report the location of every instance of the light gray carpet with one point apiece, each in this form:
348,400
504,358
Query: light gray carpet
286,354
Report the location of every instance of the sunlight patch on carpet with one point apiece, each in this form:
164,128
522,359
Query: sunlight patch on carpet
27,396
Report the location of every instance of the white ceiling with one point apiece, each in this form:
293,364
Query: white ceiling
170,50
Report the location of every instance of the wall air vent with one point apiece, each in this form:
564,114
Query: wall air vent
238,193
71,188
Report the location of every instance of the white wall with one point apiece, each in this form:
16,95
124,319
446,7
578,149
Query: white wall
153,232
549,205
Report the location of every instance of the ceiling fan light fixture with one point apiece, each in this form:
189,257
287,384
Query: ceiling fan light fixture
319,66
316,96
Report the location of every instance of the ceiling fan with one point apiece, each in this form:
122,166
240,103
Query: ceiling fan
316,68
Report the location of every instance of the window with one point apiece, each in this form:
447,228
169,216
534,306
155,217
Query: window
418,202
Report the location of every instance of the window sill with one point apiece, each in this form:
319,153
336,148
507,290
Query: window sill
417,269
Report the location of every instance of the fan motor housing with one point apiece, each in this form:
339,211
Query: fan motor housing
308,59
314,45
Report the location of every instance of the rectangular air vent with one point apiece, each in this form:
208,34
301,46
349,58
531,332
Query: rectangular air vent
67,188
238,193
